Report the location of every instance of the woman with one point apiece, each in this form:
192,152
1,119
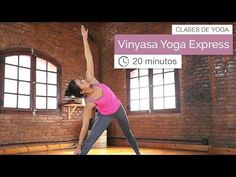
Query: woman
101,97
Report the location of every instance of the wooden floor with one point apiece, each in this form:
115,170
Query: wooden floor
121,151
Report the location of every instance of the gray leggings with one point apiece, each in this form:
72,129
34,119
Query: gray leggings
101,124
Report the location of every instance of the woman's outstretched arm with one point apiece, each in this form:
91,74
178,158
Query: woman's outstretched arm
86,118
88,56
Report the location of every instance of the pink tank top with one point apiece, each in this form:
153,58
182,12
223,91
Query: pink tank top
108,103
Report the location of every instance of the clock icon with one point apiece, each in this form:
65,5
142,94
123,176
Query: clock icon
123,61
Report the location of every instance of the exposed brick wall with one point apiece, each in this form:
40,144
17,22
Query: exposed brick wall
224,108
195,98
203,114
207,86
25,128
63,42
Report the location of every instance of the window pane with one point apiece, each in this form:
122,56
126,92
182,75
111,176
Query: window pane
10,101
52,78
169,90
52,90
25,61
41,64
143,72
155,71
24,88
168,70
134,73
158,103
41,89
52,103
144,81
52,67
11,72
10,86
158,91
41,76
24,74
134,83
40,102
144,92
12,60
134,94
169,78
23,102
144,104
170,102
134,105
158,79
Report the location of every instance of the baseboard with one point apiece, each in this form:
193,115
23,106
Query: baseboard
28,148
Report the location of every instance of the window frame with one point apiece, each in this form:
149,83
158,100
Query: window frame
151,110
33,54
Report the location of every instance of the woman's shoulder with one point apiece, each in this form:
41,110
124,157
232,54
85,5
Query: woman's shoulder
92,80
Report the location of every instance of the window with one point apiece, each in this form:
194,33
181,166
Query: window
153,90
29,81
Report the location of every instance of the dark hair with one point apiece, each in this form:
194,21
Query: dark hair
73,89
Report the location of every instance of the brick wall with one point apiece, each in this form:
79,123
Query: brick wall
63,42
207,87
224,107
207,101
25,128
195,98
223,131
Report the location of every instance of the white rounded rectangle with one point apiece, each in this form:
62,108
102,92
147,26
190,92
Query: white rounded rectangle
202,29
147,61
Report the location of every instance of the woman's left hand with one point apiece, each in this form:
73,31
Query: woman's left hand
78,150
84,32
